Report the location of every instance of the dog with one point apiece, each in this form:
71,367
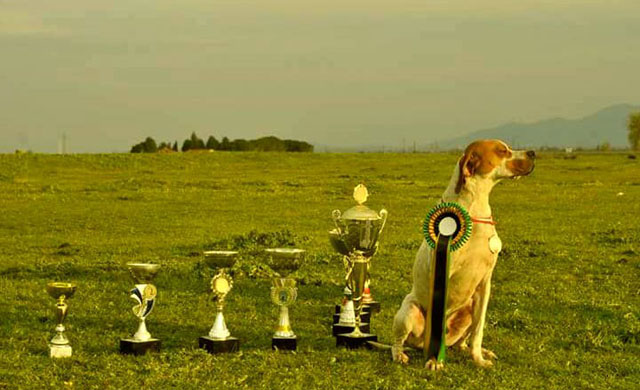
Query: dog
483,164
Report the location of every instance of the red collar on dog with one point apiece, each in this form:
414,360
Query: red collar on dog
488,221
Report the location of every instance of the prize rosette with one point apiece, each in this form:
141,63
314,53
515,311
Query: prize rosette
448,219
446,228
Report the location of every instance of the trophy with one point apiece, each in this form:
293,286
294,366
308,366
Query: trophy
284,293
356,237
59,346
219,338
367,296
145,294
344,320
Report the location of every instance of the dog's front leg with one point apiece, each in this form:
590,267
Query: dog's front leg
481,301
408,327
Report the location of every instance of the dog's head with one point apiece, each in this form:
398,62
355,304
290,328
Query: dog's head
494,160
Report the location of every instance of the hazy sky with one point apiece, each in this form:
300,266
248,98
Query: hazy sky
109,73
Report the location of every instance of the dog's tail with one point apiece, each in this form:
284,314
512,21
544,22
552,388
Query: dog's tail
378,345
382,346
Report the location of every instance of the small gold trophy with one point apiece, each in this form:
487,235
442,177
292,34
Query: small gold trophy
219,338
59,346
356,237
284,294
145,294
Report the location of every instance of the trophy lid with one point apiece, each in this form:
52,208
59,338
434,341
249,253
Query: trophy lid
360,212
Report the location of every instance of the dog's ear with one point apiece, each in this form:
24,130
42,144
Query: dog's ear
469,162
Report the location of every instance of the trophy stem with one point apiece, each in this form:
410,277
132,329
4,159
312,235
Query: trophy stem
357,276
142,334
284,326
61,314
60,338
219,330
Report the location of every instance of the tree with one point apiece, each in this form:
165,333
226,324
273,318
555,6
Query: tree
186,145
175,146
240,145
146,146
604,147
634,130
196,143
212,143
225,144
150,145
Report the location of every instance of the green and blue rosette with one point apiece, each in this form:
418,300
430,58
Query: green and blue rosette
446,229
432,224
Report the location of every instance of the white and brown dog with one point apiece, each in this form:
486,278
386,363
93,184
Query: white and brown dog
483,164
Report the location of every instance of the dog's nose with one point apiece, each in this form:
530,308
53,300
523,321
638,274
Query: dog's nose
531,154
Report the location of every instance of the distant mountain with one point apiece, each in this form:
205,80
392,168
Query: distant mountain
609,124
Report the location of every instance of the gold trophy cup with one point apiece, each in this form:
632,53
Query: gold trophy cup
59,345
284,293
356,238
145,294
219,339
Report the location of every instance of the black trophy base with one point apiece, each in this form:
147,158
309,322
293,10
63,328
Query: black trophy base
373,306
230,344
351,342
365,316
284,343
342,329
365,308
134,347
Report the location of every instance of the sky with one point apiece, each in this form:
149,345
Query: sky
335,73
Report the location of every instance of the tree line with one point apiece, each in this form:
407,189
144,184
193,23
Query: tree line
264,144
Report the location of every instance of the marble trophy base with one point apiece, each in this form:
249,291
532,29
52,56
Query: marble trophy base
211,345
373,306
284,343
351,342
365,316
135,347
59,351
338,329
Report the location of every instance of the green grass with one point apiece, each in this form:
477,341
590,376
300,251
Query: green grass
564,310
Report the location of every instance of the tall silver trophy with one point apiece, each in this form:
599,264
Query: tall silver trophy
219,338
59,346
144,293
284,293
356,237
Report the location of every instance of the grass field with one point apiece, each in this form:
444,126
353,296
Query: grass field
564,311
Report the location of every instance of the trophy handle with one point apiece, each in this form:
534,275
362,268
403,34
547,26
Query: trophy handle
383,215
336,214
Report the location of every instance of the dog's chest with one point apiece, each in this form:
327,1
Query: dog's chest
481,252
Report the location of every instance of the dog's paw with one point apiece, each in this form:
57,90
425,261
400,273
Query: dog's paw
482,362
399,355
434,365
488,354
